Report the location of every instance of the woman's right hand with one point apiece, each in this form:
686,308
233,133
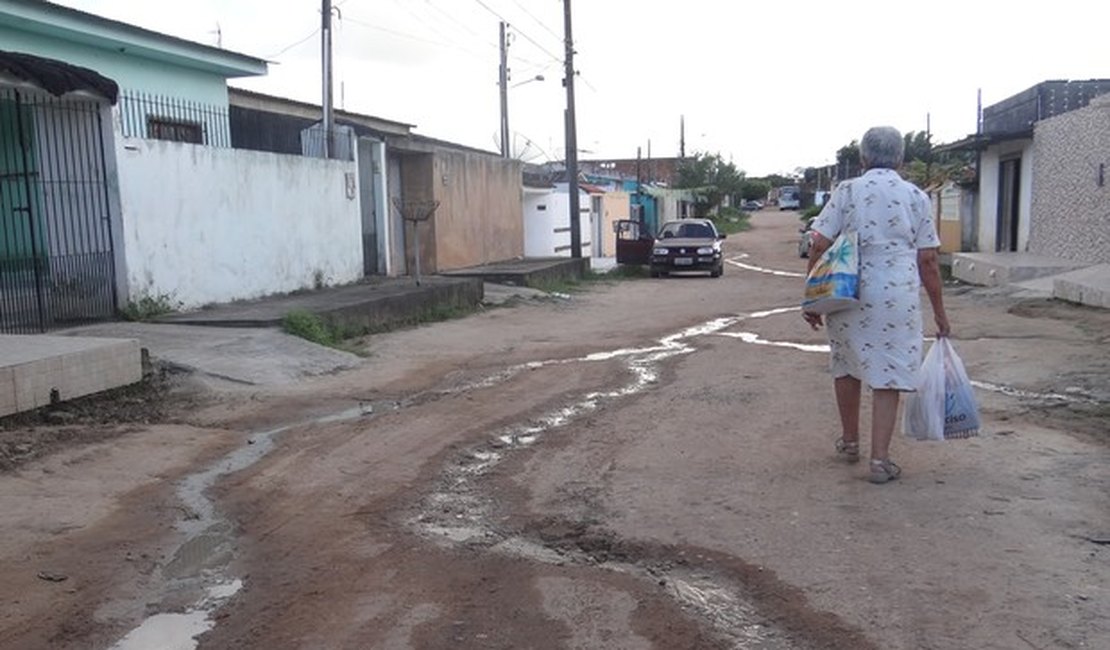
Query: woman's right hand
943,328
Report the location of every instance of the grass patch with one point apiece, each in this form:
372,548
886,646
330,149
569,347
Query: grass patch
730,221
572,285
322,331
149,307
436,314
311,327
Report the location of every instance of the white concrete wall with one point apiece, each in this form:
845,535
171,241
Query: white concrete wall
204,225
547,224
988,193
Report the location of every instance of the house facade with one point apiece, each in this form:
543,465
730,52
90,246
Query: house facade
1010,172
168,86
477,194
153,202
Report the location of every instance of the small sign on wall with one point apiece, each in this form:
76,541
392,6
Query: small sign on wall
352,188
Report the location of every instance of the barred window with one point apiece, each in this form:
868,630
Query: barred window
160,128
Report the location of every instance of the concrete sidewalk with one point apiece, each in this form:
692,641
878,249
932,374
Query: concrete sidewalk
370,305
247,356
1037,276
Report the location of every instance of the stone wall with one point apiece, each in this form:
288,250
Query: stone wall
1071,185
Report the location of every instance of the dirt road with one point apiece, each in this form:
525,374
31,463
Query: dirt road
645,465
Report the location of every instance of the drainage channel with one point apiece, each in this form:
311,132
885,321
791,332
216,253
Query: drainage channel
201,562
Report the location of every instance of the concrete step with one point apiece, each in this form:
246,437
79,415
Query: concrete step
1089,286
39,370
998,269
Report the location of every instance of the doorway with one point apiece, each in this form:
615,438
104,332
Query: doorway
1009,205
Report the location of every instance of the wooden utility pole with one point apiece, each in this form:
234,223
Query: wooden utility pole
503,81
329,117
571,139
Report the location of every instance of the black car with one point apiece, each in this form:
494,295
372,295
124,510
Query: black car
687,245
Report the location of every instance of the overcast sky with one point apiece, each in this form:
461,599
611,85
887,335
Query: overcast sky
773,85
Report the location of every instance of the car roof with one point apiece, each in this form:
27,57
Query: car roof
702,221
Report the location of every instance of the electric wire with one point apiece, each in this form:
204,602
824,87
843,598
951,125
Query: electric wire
293,45
519,31
539,22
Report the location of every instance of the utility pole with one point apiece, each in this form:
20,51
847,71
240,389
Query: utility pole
682,136
572,139
329,117
503,81
929,149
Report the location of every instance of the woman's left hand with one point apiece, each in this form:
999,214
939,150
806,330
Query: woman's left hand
815,321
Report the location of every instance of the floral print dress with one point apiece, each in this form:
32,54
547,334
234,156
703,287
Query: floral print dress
880,341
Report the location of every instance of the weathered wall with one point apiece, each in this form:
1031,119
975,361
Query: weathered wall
479,219
615,206
947,206
204,225
1071,212
988,193
417,185
547,224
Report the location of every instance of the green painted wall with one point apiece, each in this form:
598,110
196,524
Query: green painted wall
129,71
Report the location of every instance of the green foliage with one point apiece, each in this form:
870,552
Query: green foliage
711,178
730,220
922,165
810,212
754,190
149,307
310,327
777,180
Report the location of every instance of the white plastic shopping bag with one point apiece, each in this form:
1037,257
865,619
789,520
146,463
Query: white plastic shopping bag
923,416
961,410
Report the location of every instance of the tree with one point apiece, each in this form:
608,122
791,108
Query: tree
711,178
848,162
754,190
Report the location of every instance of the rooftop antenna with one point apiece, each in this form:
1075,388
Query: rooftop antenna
219,36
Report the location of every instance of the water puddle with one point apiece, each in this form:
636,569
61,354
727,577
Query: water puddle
735,261
179,631
202,559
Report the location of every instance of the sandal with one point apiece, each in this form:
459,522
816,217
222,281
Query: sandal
847,451
883,471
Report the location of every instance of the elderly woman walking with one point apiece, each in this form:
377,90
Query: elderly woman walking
880,341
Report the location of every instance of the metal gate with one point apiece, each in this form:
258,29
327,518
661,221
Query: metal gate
56,262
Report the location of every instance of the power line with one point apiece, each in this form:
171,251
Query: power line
425,22
293,45
538,21
413,37
460,24
519,31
